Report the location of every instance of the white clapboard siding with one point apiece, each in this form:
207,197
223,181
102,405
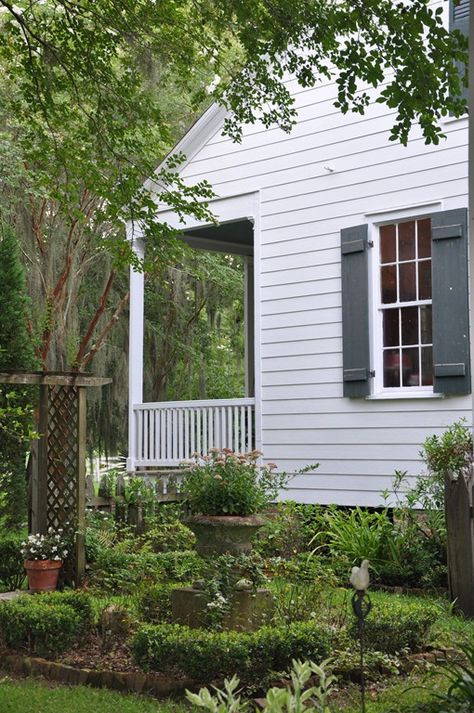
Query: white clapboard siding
360,423
300,304
302,362
329,173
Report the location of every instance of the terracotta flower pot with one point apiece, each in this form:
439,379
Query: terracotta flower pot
42,574
223,534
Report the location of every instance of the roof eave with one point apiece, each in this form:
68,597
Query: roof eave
194,139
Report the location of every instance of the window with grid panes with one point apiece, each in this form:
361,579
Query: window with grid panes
406,304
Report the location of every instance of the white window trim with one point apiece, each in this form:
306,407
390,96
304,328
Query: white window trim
385,217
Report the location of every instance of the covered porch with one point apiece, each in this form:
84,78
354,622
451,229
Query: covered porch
162,434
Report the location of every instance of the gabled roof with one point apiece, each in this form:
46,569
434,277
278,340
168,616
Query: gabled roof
195,137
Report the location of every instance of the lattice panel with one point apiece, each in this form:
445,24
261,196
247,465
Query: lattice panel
63,420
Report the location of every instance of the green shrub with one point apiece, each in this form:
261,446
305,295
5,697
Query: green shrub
401,553
357,534
289,529
452,451
154,603
167,537
122,572
179,566
12,572
417,560
81,602
297,601
210,655
398,624
39,626
101,533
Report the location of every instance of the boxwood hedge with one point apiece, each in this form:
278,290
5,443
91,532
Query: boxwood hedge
209,656
45,624
397,624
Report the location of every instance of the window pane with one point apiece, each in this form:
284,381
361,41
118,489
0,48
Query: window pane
388,248
426,324
410,367
424,238
391,368
406,240
391,337
389,284
407,282
409,325
427,366
424,280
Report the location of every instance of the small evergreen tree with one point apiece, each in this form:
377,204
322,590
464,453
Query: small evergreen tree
16,352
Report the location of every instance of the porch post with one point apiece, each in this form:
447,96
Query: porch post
471,195
135,352
249,320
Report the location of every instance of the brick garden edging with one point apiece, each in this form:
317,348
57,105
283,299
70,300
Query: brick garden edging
154,684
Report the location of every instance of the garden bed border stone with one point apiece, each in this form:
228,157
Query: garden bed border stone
154,684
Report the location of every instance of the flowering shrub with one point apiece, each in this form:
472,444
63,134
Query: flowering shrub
45,547
228,483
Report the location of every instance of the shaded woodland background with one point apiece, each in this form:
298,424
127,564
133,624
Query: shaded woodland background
64,214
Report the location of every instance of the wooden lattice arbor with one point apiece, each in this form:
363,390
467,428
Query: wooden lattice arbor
57,485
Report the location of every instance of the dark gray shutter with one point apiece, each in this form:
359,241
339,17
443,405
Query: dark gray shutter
459,20
355,311
450,302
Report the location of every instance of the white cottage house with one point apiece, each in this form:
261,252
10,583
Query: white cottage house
357,324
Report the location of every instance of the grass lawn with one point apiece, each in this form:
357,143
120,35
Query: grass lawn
400,696
34,696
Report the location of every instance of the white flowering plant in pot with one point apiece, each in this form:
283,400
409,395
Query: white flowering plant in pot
51,546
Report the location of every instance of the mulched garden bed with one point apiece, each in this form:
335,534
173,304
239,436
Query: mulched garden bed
90,653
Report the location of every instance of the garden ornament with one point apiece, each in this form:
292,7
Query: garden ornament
360,576
361,606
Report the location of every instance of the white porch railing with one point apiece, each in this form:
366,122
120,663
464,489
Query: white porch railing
168,432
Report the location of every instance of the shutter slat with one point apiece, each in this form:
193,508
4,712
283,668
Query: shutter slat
450,302
461,10
355,311
445,232
459,20
450,369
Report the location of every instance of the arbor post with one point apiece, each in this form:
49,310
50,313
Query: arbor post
58,487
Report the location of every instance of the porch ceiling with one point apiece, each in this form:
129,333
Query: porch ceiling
235,237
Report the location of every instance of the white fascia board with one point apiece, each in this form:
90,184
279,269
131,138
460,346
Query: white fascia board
194,139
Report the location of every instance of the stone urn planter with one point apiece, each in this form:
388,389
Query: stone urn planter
42,574
224,534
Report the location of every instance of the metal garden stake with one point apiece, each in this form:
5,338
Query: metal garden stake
361,606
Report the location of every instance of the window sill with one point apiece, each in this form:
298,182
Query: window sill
383,396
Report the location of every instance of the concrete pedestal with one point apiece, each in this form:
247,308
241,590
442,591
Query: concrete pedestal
249,609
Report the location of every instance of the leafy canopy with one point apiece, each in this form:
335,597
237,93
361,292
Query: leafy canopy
91,58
